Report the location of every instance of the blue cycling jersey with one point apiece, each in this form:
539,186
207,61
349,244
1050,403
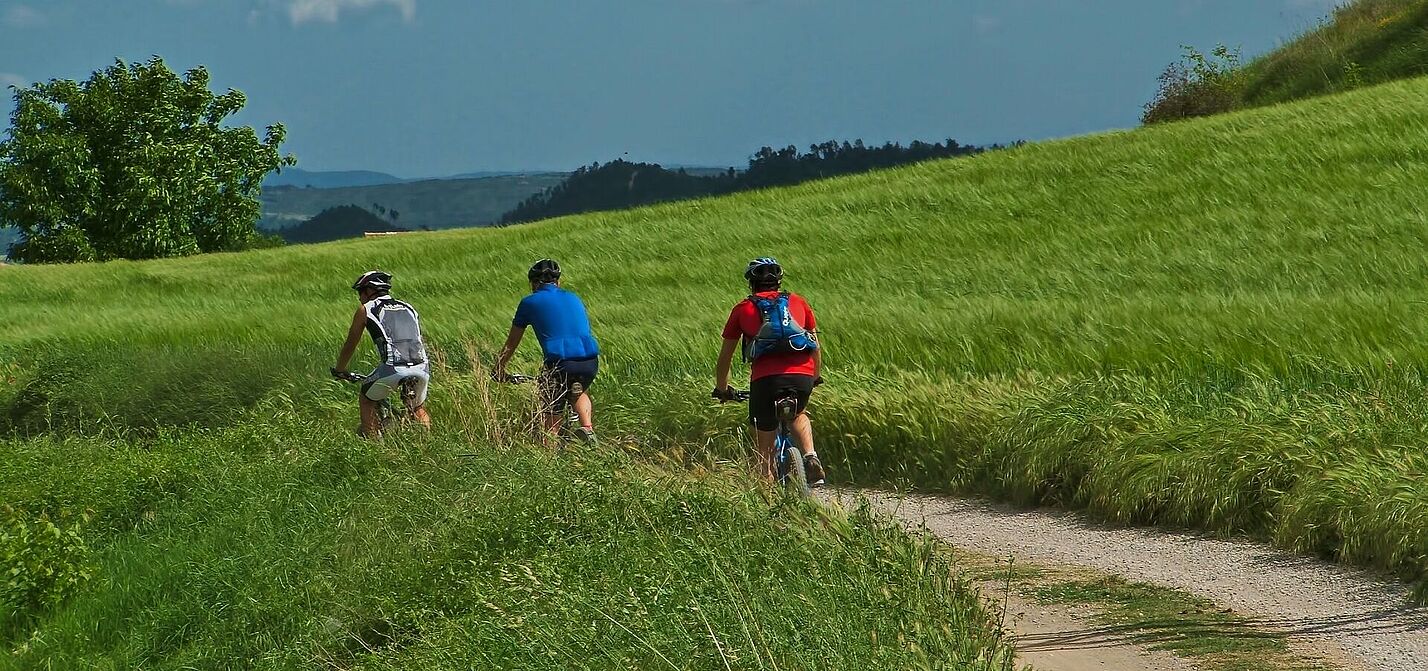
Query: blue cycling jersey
561,324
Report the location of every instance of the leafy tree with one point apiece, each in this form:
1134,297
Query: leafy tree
132,163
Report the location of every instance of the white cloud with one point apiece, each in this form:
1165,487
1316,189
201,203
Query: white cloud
302,11
8,79
22,16
986,24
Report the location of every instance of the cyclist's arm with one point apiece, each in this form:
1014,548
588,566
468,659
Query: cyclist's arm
818,361
513,340
726,361
354,337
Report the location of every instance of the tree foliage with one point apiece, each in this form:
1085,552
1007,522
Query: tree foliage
1197,85
337,223
133,163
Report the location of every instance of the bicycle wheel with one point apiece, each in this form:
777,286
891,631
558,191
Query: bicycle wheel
794,478
385,416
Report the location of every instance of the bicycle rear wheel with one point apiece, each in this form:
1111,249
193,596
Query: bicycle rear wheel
794,478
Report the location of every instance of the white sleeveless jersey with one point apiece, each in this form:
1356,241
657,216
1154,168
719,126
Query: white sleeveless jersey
395,330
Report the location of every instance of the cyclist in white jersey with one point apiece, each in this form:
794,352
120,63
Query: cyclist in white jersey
396,332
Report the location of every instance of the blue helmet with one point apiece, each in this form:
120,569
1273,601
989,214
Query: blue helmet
764,270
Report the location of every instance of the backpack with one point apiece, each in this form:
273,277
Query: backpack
396,332
779,333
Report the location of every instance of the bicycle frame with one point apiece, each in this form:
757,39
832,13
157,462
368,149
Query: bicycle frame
386,413
787,458
572,418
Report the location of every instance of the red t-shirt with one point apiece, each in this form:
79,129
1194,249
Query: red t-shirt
744,322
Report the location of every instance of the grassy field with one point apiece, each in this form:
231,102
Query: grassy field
1362,43
286,543
1216,324
433,203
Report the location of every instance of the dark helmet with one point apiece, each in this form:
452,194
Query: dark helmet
764,270
373,279
545,271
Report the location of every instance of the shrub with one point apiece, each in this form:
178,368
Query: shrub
41,563
1197,85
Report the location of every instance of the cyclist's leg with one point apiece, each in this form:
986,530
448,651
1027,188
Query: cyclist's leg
371,423
583,372
801,388
553,388
375,389
421,375
803,433
762,396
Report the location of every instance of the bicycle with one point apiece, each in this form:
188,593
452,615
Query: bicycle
569,426
788,458
386,414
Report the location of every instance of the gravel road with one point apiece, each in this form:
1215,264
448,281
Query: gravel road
1345,613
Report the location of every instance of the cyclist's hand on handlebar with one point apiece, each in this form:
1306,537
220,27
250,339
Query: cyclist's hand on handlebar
728,394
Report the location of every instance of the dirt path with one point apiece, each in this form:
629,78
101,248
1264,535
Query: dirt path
1058,639
1334,609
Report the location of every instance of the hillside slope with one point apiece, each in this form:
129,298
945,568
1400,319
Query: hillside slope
1213,324
1362,43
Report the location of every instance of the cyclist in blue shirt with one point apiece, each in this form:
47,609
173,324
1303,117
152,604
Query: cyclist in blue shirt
571,353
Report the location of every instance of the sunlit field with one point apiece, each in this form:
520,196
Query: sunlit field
1217,324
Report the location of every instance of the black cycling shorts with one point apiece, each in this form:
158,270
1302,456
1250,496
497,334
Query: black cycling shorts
557,376
765,392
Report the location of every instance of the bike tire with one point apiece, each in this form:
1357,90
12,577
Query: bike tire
797,480
386,417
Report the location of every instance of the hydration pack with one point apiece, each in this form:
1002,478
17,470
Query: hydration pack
396,332
779,333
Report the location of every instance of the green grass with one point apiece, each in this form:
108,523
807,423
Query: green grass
282,542
1364,42
1193,628
1190,627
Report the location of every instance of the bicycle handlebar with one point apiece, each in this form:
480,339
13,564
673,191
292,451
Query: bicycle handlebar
734,395
513,378
347,375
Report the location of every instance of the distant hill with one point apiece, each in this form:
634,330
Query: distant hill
337,223
433,203
620,184
328,179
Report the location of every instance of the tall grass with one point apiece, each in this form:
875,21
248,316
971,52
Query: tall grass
1216,323
1364,42
283,542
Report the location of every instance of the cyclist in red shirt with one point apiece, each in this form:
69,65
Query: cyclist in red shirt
774,372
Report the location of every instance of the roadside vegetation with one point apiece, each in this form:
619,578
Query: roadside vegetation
1362,43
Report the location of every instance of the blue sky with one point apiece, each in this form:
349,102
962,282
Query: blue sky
433,87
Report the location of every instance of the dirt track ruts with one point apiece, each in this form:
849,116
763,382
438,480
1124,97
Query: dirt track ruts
1326,606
